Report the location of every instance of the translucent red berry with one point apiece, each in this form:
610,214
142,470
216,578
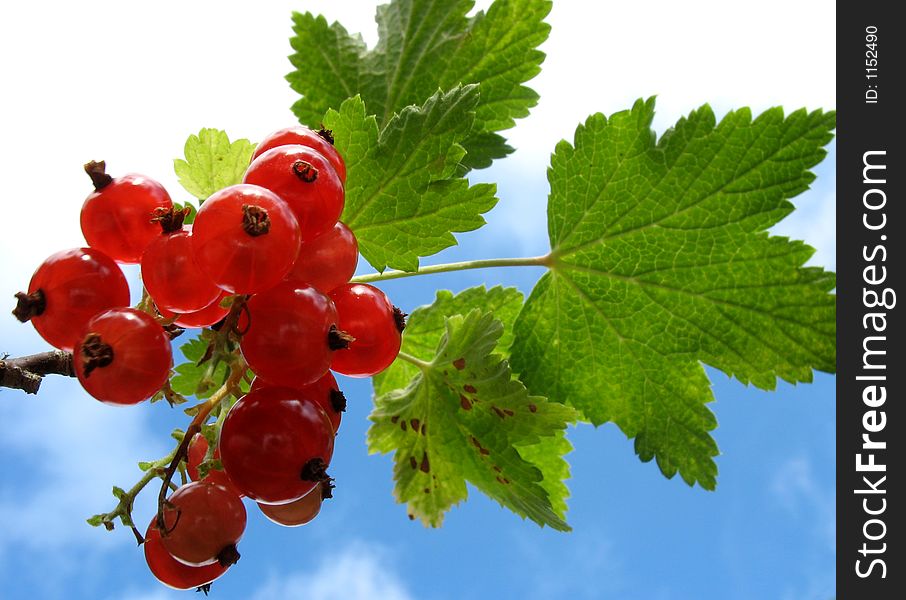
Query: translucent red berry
207,316
173,277
327,261
276,445
295,513
324,391
203,523
245,238
322,141
170,571
68,289
288,334
123,356
116,217
198,450
375,324
306,181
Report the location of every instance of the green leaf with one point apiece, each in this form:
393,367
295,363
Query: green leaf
547,455
144,465
192,410
465,418
245,383
427,324
192,379
403,194
327,65
661,262
118,492
211,433
425,45
208,465
212,162
482,150
96,520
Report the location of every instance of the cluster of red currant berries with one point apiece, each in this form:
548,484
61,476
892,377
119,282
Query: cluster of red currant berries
274,243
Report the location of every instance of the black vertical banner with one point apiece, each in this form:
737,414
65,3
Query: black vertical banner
871,263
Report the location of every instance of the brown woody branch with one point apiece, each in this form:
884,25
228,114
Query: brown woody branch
27,372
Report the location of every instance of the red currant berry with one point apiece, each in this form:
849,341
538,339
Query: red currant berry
170,571
245,238
290,334
203,523
116,217
172,275
68,289
306,181
298,512
276,445
207,316
198,450
322,141
327,261
324,391
375,324
123,356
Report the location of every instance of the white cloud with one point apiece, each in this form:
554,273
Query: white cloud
67,450
358,572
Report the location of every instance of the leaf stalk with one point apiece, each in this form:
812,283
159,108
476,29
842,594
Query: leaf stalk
532,261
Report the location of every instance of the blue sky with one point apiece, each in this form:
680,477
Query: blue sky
768,530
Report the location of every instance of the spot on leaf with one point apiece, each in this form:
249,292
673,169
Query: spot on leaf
481,449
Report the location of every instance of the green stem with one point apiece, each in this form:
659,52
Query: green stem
533,261
166,467
218,424
415,361
237,370
123,509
